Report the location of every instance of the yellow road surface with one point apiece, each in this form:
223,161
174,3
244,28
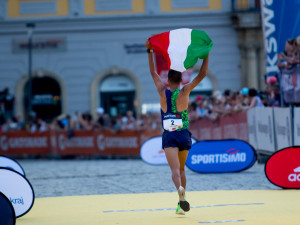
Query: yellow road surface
258,207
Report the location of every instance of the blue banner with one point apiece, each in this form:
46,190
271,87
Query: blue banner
221,156
281,23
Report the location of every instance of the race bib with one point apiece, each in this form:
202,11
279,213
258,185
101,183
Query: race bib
172,122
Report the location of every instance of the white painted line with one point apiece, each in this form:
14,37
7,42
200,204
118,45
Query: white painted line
225,221
166,209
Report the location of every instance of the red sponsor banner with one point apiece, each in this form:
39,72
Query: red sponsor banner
53,142
121,143
205,130
227,127
230,126
283,168
80,143
194,127
217,130
146,135
23,142
243,126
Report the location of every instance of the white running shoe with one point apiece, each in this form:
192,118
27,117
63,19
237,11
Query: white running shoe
179,211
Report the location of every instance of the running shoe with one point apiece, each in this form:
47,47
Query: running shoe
179,211
182,202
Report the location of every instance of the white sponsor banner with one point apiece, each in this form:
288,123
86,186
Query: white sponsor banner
11,164
297,126
251,127
152,152
18,190
283,129
264,129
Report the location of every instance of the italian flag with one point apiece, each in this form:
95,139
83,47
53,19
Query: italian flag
182,47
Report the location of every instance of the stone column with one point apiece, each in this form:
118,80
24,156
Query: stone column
252,76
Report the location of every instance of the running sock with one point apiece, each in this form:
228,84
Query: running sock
182,202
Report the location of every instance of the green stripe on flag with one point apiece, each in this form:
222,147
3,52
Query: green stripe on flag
200,46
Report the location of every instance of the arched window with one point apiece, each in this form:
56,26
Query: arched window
46,99
204,88
117,94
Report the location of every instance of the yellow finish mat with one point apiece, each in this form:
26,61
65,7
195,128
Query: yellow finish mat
258,207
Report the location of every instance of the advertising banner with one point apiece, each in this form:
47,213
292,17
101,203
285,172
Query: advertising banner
252,127
264,129
283,168
80,143
221,156
18,190
283,127
153,153
121,143
205,130
7,212
297,126
11,164
280,20
22,142
230,126
243,126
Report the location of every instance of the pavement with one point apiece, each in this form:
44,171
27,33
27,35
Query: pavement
57,178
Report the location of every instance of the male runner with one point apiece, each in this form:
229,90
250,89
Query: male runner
176,138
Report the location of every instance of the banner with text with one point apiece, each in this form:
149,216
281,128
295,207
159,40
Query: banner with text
264,129
283,127
23,142
280,21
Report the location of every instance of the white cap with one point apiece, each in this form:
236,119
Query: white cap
100,110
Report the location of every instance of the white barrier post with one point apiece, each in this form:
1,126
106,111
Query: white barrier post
251,127
283,128
297,126
265,129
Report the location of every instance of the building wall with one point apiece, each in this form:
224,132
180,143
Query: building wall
98,40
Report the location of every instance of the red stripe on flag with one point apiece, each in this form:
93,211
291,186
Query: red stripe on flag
160,43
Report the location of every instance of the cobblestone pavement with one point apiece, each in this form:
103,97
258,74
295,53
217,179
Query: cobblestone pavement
51,178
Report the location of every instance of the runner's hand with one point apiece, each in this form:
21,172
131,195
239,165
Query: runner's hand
148,45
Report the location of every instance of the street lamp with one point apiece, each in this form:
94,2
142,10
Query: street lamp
30,28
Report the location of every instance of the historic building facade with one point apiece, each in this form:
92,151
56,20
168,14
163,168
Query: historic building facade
90,53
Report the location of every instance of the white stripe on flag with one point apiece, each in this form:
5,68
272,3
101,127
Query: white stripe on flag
180,40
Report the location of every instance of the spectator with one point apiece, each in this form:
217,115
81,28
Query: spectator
273,92
9,101
201,111
100,120
192,112
129,121
255,100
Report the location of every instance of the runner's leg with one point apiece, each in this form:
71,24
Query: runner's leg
173,160
182,155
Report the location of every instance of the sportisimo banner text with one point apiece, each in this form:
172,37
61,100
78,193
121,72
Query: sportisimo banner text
221,156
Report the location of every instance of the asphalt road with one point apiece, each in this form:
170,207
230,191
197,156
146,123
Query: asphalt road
51,178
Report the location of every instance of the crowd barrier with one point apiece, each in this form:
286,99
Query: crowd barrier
226,127
51,143
266,129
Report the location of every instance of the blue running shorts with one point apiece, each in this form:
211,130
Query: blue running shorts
180,139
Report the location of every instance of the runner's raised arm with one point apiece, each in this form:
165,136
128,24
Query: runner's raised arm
156,78
202,73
